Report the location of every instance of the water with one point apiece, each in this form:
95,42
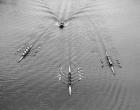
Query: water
33,83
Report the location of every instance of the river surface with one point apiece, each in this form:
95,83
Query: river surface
94,27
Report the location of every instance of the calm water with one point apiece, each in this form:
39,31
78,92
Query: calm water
98,25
